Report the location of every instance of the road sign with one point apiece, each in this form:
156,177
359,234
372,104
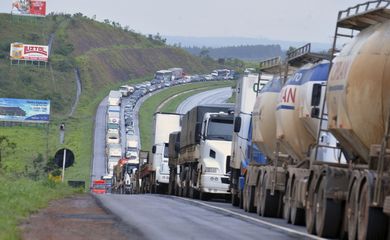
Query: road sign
64,153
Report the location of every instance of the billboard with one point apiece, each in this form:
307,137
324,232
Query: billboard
20,51
24,110
29,7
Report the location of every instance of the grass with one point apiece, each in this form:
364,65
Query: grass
44,139
150,105
20,197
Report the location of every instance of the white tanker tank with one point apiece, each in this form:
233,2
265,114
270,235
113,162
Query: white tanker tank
264,118
296,128
359,90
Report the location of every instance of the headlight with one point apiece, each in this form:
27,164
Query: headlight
211,169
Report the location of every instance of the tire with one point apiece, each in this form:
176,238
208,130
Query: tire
329,214
241,200
310,217
235,200
372,222
204,196
269,203
352,210
297,214
251,199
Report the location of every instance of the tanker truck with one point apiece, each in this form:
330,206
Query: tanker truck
246,92
205,148
339,196
354,198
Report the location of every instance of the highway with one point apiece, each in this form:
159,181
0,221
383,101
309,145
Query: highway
215,96
169,217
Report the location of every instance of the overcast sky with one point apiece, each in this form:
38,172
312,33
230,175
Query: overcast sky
292,20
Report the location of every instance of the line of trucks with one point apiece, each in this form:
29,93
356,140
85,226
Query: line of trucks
121,170
308,140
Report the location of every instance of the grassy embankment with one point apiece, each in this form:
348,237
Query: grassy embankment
151,104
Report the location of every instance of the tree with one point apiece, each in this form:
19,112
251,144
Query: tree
6,146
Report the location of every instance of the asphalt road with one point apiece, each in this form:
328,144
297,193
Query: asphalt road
215,96
99,144
167,217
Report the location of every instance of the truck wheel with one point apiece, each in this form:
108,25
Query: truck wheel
269,203
193,192
297,213
241,200
251,199
352,210
372,222
204,196
311,203
235,200
329,212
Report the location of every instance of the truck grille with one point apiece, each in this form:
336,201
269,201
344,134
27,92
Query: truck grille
225,180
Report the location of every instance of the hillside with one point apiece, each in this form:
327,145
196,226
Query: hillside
247,52
104,53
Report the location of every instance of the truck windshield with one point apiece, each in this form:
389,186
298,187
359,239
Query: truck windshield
113,126
220,129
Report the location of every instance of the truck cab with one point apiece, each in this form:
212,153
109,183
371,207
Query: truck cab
160,161
215,150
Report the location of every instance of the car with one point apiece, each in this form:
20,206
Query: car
167,84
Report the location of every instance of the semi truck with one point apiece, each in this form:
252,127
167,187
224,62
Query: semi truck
132,147
158,176
246,91
113,114
177,73
205,148
114,98
125,177
126,90
325,131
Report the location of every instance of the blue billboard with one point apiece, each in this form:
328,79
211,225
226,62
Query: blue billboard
24,110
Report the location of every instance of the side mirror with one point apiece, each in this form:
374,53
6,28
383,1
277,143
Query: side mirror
316,95
154,149
237,124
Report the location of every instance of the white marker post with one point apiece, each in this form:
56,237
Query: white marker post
63,165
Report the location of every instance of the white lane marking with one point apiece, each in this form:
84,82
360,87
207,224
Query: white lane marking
256,220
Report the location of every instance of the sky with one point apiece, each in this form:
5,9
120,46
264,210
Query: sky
290,20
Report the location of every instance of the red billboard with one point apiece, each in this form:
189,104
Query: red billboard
29,7
20,51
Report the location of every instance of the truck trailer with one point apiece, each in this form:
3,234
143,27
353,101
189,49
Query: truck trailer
246,91
157,176
114,98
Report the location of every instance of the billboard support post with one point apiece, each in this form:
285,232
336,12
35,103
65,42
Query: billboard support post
63,166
